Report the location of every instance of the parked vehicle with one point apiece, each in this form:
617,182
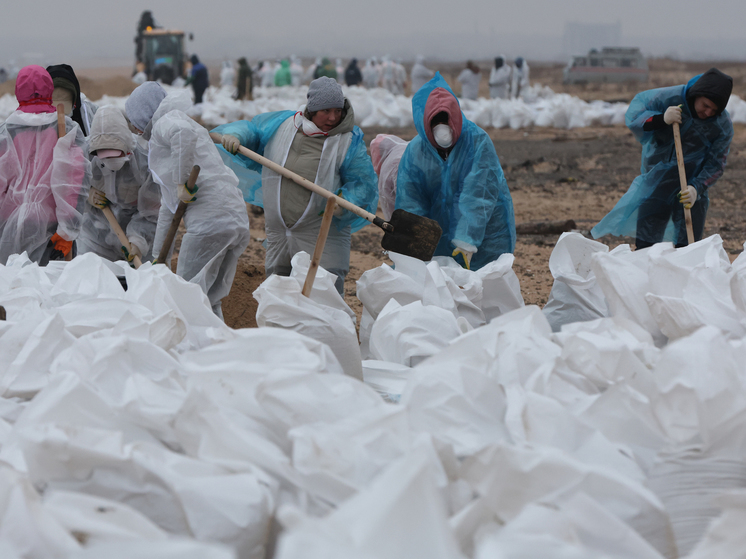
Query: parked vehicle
609,65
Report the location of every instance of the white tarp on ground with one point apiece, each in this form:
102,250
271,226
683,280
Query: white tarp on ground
132,424
378,107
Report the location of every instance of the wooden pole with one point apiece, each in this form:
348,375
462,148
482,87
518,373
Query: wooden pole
61,131
318,250
682,179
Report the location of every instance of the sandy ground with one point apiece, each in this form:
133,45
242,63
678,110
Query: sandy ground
552,174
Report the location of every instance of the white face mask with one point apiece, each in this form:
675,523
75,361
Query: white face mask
443,135
115,163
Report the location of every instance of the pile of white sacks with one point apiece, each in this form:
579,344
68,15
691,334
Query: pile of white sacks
540,106
135,424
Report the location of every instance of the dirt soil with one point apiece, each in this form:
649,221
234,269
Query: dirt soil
552,174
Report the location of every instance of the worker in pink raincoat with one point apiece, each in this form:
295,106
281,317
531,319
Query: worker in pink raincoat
44,178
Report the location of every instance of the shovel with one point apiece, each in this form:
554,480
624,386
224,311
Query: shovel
180,211
61,131
114,224
406,233
682,178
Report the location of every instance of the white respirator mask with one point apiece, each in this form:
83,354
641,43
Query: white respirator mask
443,135
115,163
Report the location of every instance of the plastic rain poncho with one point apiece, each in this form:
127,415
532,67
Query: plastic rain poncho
282,74
386,152
466,193
705,145
217,224
345,169
135,198
44,182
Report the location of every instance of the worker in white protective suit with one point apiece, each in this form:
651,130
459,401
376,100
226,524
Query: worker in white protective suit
216,221
321,143
420,74
296,71
400,78
44,177
499,81
520,78
122,182
469,79
370,74
340,68
387,72
267,74
227,74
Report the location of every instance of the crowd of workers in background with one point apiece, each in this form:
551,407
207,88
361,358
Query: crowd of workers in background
504,81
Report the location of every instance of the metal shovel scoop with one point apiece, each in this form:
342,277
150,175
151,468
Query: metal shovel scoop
406,233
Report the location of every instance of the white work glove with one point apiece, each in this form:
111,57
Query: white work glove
466,250
672,114
231,143
185,195
688,197
97,199
129,255
338,211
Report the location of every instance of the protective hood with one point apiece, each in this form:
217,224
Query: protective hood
109,130
381,147
178,100
142,104
194,60
432,98
34,90
713,84
499,61
64,76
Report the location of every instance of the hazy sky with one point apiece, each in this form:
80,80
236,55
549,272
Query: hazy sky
86,32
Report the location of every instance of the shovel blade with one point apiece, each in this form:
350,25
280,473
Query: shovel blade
414,235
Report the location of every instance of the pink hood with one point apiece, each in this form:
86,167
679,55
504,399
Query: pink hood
442,100
34,90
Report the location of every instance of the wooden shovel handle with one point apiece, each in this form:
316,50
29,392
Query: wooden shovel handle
114,224
180,211
305,183
61,131
682,179
318,250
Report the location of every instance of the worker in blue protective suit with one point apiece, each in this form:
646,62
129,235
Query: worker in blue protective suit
652,208
321,143
450,172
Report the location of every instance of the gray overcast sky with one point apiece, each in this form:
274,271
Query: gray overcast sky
86,32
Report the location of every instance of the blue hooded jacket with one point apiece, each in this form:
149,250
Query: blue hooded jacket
705,145
466,193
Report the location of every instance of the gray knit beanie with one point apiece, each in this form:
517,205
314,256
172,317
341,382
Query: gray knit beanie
142,103
324,93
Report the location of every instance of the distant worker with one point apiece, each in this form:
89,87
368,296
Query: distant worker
67,91
216,222
3,75
499,81
420,74
198,78
121,181
296,71
400,77
325,70
227,74
387,73
321,143
267,74
520,78
370,74
652,209
386,151
450,172
245,84
282,74
353,76
469,79
44,178
340,71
